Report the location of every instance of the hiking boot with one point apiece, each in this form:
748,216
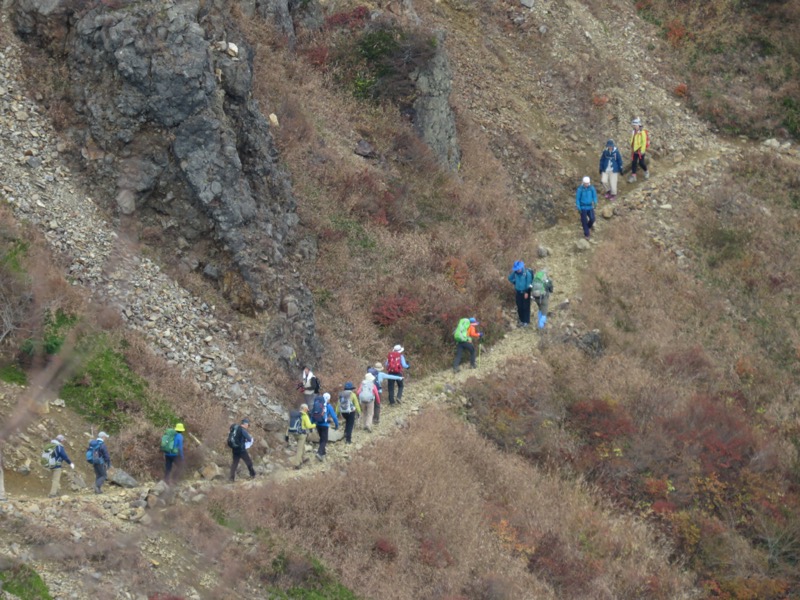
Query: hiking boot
456,369
612,197
97,490
319,457
647,174
52,495
632,179
608,195
473,366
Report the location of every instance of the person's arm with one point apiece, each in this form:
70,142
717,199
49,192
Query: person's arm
179,444
403,361
306,422
64,456
578,197
246,434
593,194
511,276
333,416
104,453
354,398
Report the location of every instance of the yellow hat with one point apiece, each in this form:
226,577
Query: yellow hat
180,427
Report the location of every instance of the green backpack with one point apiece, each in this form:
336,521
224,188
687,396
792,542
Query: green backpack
460,333
540,285
49,456
168,442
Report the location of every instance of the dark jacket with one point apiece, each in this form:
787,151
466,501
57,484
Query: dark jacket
614,157
61,455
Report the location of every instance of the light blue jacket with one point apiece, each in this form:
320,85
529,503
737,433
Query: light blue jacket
585,197
522,281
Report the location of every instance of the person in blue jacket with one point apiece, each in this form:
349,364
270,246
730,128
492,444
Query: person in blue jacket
586,202
522,279
322,426
101,468
610,169
170,458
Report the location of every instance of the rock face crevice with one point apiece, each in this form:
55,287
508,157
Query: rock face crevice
168,127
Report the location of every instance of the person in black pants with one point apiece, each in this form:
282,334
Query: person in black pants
242,437
349,408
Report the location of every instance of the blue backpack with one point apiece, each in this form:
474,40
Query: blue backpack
93,455
319,412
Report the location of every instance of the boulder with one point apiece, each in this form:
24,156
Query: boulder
211,471
121,478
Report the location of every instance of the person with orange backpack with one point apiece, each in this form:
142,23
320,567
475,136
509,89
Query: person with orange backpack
640,143
395,363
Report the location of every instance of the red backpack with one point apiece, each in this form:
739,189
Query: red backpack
394,363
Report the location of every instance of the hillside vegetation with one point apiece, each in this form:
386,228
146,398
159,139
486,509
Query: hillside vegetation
645,445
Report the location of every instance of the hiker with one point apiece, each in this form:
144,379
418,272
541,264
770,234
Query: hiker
586,202
172,446
369,397
610,169
321,413
380,376
464,335
239,440
639,143
309,384
348,408
57,455
2,481
540,290
299,426
395,363
522,279
98,456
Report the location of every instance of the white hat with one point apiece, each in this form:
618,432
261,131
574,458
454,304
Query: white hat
370,377
398,348
327,396
378,366
636,121
103,434
587,180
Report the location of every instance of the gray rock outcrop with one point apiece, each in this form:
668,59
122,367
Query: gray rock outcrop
168,128
433,117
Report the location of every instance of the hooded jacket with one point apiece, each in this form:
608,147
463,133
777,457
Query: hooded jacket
614,157
585,197
522,281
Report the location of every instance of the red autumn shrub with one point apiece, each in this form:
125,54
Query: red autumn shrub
599,420
390,309
676,32
384,548
434,553
681,90
348,18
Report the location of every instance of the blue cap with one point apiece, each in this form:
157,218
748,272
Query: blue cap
519,265
349,385
610,143
473,320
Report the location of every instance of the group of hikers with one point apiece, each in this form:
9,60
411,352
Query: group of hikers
319,411
611,167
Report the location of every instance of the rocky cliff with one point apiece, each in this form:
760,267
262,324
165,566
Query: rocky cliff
166,128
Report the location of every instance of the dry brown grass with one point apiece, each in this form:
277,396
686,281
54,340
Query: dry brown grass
439,512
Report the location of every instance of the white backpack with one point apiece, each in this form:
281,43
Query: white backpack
367,394
346,405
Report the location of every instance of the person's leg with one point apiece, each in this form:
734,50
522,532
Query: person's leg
526,309
349,421
100,473
520,299
168,462
323,440
585,223
55,483
471,348
634,164
591,218
234,465
368,412
301,450
249,463
459,352
399,390
604,179
613,180
644,167
376,412
391,391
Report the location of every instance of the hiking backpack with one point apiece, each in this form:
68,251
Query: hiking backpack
296,422
49,456
235,437
460,333
168,442
394,363
319,412
346,405
367,393
539,286
316,384
93,455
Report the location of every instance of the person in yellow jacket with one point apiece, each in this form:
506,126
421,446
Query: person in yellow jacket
638,149
300,426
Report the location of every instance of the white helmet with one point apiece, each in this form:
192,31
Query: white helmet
636,122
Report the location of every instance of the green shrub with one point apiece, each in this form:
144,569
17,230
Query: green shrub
13,374
24,583
105,390
55,327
